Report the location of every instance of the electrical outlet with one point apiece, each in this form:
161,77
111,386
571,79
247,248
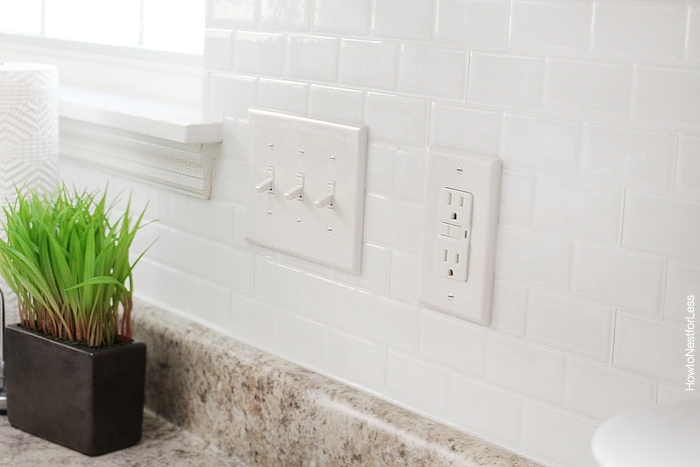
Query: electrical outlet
459,233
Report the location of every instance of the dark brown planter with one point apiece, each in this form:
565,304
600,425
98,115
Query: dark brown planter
86,399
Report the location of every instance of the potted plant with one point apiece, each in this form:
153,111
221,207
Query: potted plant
74,375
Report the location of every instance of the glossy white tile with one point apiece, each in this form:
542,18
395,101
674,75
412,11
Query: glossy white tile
682,281
258,53
505,80
481,24
208,301
393,223
231,13
509,308
373,64
457,127
416,384
409,176
405,19
212,219
342,16
345,105
405,274
693,38
230,95
253,321
218,49
688,166
388,322
300,340
517,197
285,15
314,58
376,260
433,71
355,360
667,95
562,25
284,96
278,284
329,302
396,119
230,267
381,161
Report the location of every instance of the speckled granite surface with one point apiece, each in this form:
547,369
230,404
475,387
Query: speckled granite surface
163,444
269,412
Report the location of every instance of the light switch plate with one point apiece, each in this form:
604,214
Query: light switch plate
324,158
445,284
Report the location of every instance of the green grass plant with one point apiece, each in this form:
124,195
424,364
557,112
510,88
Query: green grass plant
69,265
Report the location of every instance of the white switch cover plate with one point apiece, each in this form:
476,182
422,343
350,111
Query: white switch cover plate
323,220
459,245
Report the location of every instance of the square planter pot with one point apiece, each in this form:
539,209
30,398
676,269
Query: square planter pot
86,399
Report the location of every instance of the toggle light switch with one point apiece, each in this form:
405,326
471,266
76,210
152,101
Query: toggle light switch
267,184
297,191
327,200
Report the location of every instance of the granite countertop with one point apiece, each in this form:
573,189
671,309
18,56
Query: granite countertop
162,444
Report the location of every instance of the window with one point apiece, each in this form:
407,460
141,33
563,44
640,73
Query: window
170,25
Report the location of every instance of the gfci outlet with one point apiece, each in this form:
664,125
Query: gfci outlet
459,234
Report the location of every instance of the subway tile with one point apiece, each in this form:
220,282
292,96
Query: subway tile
681,281
485,410
300,340
669,393
650,348
688,167
376,262
230,95
601,392
556,437
509,310
387,321
550,25
209,302
314,58
285,96
278,284
258,53
462,128
417,384
172,209
453,343
230,13
658,224
405,274
505,80
578,209
393,222
286,15
230,267
533,258
433,71
597,87
329,302
574,326
540,143
149,237
381,161
634,156
189,252
342,16
525,368
218,49
517,197
409,176
626,279
355,360
235,139
396,119
667,94
373,64
253,321
212,219
405,19
344,105
639,27
171,288
693,39
239,227
481,24
229,180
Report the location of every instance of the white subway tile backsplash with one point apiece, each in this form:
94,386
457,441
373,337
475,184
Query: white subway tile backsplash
560,25
505,80
394,223
396,119
278,284
284,96
525,368
457,127
655,27
517,197
509,308
388,322
650,348
239,227
376,267
314,58
235,139
636,156
218,49
601,392
577,327
231,13
668,393
433,71
229,180
258,53
189,252
329,302
286,15
561,438
230,267
381,161
540,143
416,384
409,176
405,19
345,105
681,281
208,301
212,219
373,64
253,321
481,24
667,95
658,224
230,95
598,87
452,342
300,340
485,410
578,209
533,258
693,38
355,360
405,274
342,16
688,168
626,279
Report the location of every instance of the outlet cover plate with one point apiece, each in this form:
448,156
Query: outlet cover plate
322,151
480,176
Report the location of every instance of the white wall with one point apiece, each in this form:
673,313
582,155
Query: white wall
598,125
